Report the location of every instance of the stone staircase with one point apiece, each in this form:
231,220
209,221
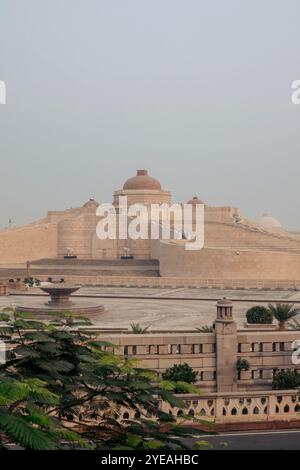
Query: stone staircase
79,267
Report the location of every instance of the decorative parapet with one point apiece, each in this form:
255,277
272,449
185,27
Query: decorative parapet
233,408
239,407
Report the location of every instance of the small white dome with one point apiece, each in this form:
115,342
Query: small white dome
269,222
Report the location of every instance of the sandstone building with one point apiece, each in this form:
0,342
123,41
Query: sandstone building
229,398
235,248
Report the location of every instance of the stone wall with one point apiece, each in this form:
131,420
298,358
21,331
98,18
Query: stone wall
212,263
140,196
160,282
76,234
266,351
241,236
31,242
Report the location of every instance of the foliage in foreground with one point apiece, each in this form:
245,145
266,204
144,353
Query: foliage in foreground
61,388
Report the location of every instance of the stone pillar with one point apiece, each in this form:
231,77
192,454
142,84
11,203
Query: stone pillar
219,403
226,344
272,407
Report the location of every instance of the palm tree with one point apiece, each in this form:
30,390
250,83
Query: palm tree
137,329
294,325
205,329
283,313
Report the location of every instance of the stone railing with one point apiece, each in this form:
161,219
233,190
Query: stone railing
237,410
250,407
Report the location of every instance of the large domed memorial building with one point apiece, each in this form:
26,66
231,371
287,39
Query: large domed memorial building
235,248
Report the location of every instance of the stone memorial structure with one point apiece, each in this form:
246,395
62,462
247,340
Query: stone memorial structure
235,249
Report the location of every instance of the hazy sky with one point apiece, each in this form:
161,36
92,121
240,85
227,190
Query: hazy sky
198,92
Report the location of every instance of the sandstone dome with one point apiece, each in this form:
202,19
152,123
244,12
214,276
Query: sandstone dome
269,222
225,302
142,181
195,200
91,204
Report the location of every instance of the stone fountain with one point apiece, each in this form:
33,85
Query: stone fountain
60,296
60,301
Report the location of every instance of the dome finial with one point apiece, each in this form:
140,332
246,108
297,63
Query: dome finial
195,200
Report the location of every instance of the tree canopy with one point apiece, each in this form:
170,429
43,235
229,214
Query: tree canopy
61,388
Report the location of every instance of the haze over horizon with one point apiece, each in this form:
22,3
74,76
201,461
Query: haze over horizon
197,92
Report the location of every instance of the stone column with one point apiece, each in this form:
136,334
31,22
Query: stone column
226,347
28,268
272,407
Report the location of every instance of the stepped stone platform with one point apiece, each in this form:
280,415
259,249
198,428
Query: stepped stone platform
85,307
82,267
96,262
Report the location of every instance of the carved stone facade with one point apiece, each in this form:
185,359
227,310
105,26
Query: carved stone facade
214,355
230,400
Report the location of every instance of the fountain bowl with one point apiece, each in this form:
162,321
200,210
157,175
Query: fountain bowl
60,301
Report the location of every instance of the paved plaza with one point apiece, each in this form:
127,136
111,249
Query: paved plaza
176,309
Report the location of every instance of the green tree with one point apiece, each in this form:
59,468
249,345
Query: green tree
71,379
283,312
286,380
180,375
259,315
24,419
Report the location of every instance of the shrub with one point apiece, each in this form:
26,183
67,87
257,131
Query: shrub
29,281
180,373
259,315
242,364
286,380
